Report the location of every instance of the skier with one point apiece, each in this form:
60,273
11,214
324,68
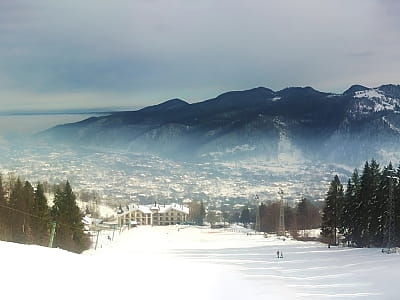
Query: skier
277,254
281,254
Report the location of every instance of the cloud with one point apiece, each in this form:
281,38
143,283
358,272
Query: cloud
138,50
392,7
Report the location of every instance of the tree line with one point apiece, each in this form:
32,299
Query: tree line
304,215
264,217
367,212
26,217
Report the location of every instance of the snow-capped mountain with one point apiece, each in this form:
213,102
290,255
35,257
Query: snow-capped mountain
370,126
356,125
369,101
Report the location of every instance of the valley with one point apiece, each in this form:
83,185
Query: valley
114,178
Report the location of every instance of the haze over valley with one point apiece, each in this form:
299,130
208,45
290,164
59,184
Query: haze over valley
223,151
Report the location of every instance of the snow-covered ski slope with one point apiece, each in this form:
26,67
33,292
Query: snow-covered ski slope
178,262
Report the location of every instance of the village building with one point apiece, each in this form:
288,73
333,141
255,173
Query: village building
154,214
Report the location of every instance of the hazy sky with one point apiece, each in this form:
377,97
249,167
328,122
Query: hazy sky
103,53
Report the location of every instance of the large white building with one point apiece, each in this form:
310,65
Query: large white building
154,214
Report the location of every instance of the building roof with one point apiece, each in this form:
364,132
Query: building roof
148,209
134,207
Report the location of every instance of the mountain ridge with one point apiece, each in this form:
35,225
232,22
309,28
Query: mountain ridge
254,122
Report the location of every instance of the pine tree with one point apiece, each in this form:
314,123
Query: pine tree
376,208
382,205
364,217
202,214
345,226
262,213
16,218
396,196
350,220
245,216
332,211
40,225
70,229
370,180
26,205
4,212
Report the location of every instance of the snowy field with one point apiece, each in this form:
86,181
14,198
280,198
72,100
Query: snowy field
191,263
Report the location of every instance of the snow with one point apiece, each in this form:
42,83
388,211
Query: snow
310,233
182,262
147,209
370,94
379,100
391,126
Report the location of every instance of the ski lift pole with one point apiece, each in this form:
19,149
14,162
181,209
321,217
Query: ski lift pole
52,234
97,239
113,232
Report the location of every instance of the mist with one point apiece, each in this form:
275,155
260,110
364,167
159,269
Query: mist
18,126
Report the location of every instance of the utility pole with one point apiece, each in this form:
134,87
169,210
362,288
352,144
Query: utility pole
113,232
258,221
281,229
52,234
97,239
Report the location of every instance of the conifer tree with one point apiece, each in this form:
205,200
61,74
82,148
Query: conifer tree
40,225
396,196
26,205
363,209
382,206
345,226
332,211
245,216
262,213
16,218
364,217
376,207
351,213
202,214
70,229
4,212
370,180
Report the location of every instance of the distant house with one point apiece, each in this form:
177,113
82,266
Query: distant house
89,222
154,214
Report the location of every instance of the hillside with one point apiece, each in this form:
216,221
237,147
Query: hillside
350,127
162,262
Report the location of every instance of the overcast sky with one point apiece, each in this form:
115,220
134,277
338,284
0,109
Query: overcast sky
104,53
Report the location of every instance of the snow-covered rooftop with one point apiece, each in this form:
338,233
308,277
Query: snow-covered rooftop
148,209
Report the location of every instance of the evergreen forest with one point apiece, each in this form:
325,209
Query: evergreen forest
26,217
367,212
